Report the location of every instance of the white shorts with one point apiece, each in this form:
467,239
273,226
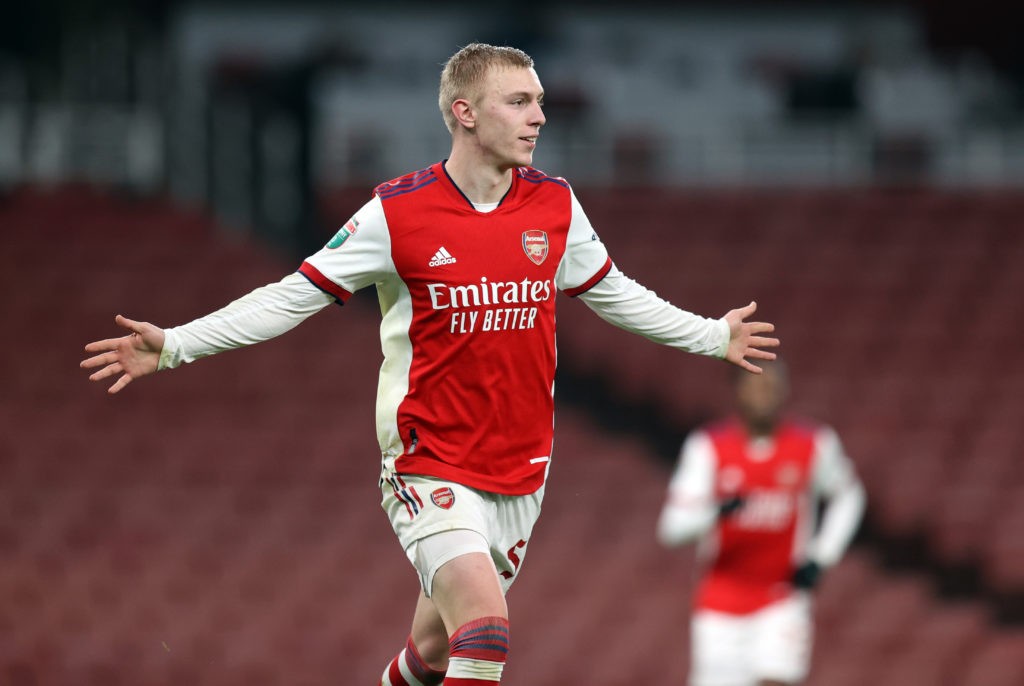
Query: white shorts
437,520
740,650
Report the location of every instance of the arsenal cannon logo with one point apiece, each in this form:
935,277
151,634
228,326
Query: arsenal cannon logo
535,244
443,498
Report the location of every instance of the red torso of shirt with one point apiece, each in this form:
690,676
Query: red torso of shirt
483,326
754,560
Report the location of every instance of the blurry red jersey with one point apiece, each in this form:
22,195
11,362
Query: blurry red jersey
753,561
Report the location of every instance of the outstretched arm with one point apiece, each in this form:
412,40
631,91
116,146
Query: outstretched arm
623,302
745,339
264,313
131,356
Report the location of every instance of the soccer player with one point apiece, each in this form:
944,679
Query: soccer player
466,255
749,487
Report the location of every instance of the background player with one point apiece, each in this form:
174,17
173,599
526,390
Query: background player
466,256
753,483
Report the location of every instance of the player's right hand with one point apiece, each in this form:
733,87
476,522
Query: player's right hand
130,357
730,505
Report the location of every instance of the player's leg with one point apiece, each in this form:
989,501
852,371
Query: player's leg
469,598
469,591
719,650
462,625
429,634
424,659
416,519
782,652
457,538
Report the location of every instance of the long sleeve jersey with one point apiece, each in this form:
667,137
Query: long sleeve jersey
467,296
751,554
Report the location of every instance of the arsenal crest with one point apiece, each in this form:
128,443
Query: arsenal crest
535,245
444,498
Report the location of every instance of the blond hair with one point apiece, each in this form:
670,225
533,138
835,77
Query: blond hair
464,73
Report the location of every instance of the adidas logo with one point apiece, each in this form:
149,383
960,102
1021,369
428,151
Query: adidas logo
442,256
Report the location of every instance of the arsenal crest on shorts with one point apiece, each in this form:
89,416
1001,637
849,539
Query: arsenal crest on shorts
535,244
444,498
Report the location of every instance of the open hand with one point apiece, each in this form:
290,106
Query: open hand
745,339
131,356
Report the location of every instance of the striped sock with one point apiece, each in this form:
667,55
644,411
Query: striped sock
476,653
409,669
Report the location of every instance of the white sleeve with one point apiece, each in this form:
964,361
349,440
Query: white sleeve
264,313
623,302
836,481
690,509
586,258
358,255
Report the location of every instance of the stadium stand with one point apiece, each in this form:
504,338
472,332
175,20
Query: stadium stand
221,525
893,304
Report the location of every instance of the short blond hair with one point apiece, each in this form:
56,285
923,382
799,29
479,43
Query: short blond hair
464,73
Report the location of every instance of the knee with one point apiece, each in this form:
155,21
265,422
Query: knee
433,649
478,649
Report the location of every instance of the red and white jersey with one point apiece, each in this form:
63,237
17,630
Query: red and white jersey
468,329
751,554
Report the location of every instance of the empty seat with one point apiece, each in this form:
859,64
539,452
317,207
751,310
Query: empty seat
998,662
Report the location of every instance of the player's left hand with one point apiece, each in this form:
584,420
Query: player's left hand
745,339
807,575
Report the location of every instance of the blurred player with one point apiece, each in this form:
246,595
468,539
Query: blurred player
750,486
466,256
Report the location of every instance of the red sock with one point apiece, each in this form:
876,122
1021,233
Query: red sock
409,669
476,653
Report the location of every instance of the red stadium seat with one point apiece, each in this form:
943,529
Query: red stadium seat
997,662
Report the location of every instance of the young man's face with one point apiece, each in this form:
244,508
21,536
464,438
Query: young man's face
509,116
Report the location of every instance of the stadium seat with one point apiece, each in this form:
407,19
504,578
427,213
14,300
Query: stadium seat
1003,551
997,662
961,515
